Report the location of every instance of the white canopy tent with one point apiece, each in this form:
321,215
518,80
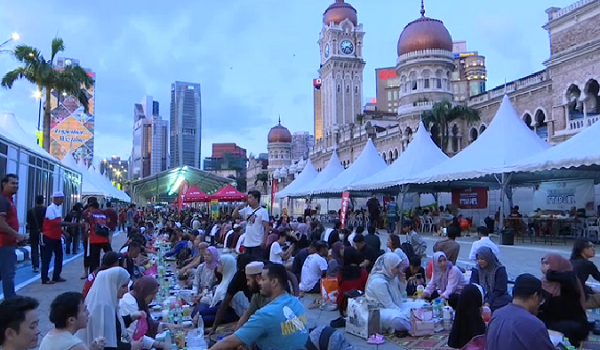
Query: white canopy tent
368,163
334,168
105,183
11,129
94,186
308,174
504,142
421,154
88,188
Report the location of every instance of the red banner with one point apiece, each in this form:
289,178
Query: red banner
345,205
470,198
273,190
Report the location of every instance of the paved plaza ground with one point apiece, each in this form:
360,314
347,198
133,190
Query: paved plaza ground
521,258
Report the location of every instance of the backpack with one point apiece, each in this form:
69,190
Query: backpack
327,338
102,229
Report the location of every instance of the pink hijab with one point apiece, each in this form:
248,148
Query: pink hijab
216,257
559,264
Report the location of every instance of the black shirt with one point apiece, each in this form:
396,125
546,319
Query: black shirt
368,253
299,261
35,218
334,236
239,284
584,268
373,241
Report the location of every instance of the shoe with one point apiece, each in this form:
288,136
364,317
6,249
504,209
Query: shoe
376,339
60,280
48,282
36,270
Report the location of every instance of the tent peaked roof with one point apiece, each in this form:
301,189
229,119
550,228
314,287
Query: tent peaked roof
69,161
11,129
506,140
308,174
334,168
421,154
368,163
194,194
228,193
580,150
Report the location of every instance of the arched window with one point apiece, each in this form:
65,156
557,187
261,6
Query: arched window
395,153
404,84
575,105
391,157
384,157
473,134
438,79
413,81
541,128
528,120
481,129
592,100
426,75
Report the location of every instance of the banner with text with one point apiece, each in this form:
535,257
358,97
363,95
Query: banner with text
563,195
345,205
470,198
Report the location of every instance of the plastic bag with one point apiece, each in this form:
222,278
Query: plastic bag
140,329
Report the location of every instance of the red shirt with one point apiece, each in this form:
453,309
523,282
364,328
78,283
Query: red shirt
112,217
93,216
349,285
52,227
8,210
88,284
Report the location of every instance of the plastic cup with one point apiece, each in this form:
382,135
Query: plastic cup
165,315
187,311
486,314
420,290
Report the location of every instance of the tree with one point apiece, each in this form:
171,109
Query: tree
41,72
441,115
264,178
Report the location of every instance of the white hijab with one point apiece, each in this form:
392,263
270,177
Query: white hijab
383,268
102,303
228,264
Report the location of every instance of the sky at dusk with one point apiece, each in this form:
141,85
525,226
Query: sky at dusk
254,59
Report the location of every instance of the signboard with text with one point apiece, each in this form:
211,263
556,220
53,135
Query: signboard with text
563,195
470,198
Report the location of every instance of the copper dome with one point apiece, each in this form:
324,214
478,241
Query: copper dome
339,11
423,34
279,133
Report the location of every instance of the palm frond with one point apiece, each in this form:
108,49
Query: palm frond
16,74
57,46
27,54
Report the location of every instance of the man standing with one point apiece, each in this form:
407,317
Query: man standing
373,208
35,219
9,234
51,241
257,224
392,216
130,218
112,219
99,233
19,323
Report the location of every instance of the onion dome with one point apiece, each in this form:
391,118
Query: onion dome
293,168
424,34
301,164
339,11
279,133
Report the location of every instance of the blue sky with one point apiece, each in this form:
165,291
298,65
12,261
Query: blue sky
255,59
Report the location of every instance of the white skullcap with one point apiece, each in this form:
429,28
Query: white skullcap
58,194
254,268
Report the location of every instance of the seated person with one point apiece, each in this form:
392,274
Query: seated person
583,252
414,275
110,259
384,287
181,246
300,258
336,261
350,277
198,260
447,281
19,323
253,275
564,307
276,253
393,243
68,314
448,245
209,304
281,324
313,269
204,276
468,322
416,241
126,260
492,277
368,254
515,327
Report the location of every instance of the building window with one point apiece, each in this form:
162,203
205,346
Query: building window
426,75
395,94
356,89
389,95
347,89
438,79
339,88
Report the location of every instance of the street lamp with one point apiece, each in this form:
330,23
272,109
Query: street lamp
13,37
38,95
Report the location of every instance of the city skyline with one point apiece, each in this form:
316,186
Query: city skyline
248,82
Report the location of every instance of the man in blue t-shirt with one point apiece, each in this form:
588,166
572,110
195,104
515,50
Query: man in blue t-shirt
281,324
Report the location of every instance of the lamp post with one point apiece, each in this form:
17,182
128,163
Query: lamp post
38,95
13,37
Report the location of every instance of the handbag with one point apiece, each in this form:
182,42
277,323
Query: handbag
421,322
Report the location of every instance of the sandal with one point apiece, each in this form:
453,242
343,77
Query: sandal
376,339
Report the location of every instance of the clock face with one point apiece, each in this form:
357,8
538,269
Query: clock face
347,47
326,50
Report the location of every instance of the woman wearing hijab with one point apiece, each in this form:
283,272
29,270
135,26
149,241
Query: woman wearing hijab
468,322
143,292
492,277
102,303
205,273
336,261
447,280
110,259
384,287
227,269
564,307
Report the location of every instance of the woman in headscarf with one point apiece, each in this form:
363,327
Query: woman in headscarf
208,312
468,322
205,273
492,277
143,292
110,259
384,287
447,280
106,321
336,261
564,308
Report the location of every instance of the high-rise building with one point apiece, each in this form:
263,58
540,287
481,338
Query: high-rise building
71,129
228,160
149,153
186,125
115,169
302,142
469,77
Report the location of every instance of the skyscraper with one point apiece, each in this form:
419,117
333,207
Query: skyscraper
186,125
149,153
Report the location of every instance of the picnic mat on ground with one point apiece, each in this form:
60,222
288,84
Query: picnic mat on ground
438,341
592,343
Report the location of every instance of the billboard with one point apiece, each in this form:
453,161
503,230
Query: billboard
71,129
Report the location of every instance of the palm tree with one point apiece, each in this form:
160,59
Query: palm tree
41,72
441,115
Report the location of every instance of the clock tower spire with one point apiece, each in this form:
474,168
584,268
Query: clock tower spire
341,70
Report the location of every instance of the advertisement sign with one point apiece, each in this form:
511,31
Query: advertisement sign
345,205
214,209
71,129
563,195
470,198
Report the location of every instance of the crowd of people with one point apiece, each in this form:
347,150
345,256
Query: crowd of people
251,269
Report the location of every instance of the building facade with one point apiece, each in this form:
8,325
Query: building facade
115,169
150,131
185,125
228,160
302,142
555,103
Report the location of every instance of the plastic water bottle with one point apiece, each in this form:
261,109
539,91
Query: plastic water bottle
447,315
200,325
437,308
566,342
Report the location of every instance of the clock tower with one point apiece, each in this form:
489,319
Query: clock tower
341,72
